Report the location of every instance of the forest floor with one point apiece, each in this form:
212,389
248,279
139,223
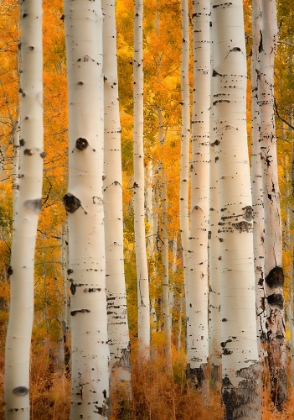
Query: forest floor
156,395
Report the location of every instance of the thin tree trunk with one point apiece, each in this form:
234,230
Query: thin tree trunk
18,342
274,276
118,330
197,299
84,206
240,364
185,144
257,184
138,188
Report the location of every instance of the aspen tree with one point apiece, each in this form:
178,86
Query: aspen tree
84,206
213,254
197,298
28,205
240,363
118,331
138,188
273,271
185,143
165,260
257,184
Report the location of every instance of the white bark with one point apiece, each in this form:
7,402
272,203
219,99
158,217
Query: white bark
138,188
257,184
239,343
18,343
214,261
197,297
118,330
185,144
167,321
16,166
84,206
274,276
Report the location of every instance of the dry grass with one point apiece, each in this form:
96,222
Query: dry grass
156,394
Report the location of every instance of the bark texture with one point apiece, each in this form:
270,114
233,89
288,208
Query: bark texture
84,206
240,363
27,208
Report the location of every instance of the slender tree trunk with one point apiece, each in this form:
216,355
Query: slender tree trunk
214,256
240,365
84,206
185,143
118,331
18,342
197,299
257,184
138,188
165,260
274,276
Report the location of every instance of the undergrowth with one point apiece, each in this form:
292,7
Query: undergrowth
156,394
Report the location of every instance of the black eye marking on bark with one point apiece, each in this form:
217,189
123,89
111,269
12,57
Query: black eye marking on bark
80,83
81,144
73,288
243,226
215,73
224,320
248,212
21,390
62,17
71,203
135,185
216,143
69,271
275,277
104,393
43,154
27,152
10,271
276,299
31,48
33,205
81,311
21,142
24,15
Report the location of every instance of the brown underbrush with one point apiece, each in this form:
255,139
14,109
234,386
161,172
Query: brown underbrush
156,394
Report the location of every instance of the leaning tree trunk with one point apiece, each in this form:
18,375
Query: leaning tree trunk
84,206
274,276
197,298
138,188
118,330
240,363
18,342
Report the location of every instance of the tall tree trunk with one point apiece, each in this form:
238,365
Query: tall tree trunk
18,342
185,144
257,184
214,249
274,276
84,206
197,299
118,330
240,365
138,188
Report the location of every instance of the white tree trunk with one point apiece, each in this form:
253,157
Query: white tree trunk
16,166
240,363
257,184
185,144
197,298
138,188
18,342
214,262
118,330
84,206
274,276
